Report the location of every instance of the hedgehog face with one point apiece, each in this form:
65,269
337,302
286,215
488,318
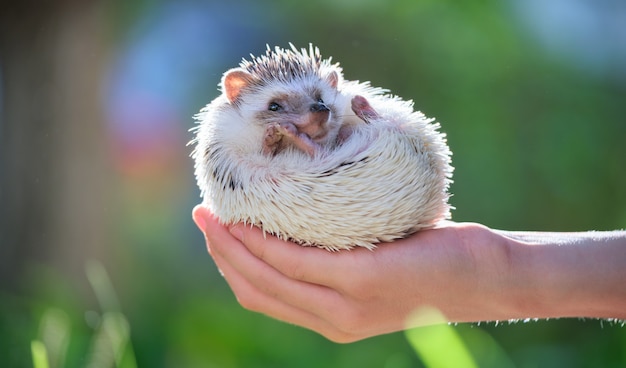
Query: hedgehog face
308,102
294,89
308,105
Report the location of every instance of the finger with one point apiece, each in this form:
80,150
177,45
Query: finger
255,300
309,264
317,299
270,292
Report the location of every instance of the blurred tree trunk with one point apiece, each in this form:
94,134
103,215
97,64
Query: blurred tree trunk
53,171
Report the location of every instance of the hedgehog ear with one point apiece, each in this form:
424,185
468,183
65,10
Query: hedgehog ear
234,81
333,79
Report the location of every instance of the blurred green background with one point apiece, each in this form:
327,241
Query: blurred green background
96,186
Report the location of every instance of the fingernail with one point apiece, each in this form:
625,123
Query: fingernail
236,231
198,218
200,223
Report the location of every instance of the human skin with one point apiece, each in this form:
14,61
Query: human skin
467,271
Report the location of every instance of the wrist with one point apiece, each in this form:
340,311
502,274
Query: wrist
495,282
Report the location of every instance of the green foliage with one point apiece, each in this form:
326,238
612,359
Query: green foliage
438,344
40,355
442,345
110,344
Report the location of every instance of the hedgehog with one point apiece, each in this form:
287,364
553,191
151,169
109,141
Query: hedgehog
292,147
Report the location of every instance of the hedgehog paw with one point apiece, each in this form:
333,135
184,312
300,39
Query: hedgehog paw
272,139
299,140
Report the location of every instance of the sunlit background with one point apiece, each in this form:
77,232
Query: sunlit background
100,262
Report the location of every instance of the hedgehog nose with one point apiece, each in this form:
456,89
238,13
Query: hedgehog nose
318,107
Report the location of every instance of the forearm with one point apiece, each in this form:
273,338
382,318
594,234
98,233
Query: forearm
567,274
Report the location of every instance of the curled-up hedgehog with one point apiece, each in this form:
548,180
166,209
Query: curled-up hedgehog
292,147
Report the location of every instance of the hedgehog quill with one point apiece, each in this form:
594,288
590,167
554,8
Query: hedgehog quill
292,147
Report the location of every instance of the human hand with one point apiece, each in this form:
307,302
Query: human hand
351,295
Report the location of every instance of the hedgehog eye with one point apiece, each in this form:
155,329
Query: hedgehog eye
320,100
273,106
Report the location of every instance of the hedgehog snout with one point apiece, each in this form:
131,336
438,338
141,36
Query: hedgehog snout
319,107
314,123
